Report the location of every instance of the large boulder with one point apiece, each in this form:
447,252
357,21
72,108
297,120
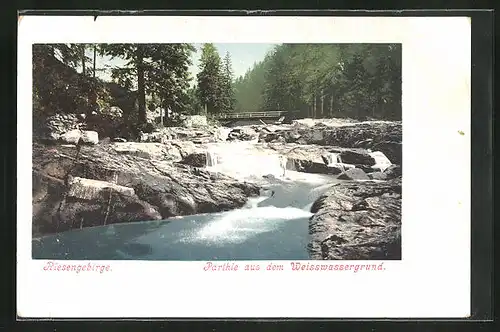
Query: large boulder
311,166
89,189
383,136
170,189
86,203
242,134
52,127
197,159
393,171
195,121
90,137
392,149
71,137
355,157
353,174
357,221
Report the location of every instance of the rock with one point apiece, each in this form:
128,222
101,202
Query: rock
384,136
309,166
52,137
242,134
142,150
353,174
105,141
378,176
172,151
195,159
195,121
52,127
367,169
162,189
90,137
112,112
357,221
393,171
72,136
86,205
392,149
353,157
119,140
88,189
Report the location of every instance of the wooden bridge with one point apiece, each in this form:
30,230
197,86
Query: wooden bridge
269,115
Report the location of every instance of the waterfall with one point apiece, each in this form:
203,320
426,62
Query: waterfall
341,164
331,158
381,161
242,160
212,159
334,160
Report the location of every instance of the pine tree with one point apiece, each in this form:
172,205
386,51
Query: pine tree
209,79
158,69
227,89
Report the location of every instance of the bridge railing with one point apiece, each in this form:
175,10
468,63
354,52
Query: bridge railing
247,115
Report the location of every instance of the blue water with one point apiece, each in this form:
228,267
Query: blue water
271,227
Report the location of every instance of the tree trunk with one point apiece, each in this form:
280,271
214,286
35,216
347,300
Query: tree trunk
314,107
95,53
141,95
163,111
322,104
83,59
331,106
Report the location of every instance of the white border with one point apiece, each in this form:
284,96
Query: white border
431,281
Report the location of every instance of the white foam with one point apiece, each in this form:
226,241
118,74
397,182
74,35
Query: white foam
239,225
381,161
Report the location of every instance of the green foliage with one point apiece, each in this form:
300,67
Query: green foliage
210,80
326,80
58,87
215,86
160,72
227,91
248,88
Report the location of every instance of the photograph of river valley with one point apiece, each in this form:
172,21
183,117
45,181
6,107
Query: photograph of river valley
205,152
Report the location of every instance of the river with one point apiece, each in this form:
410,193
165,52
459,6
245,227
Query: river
270,227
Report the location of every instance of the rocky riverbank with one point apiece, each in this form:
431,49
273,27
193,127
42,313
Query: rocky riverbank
357,221
82,178
115,183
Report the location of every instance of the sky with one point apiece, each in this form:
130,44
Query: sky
243,57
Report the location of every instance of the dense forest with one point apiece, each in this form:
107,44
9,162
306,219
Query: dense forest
325,80
318,80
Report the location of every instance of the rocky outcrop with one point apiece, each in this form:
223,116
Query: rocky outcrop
112,187
54,126
376,136
84,136
311,166
59,206
170,151
197,135
197,159
392,172
357,221
356,157
242,134
353,174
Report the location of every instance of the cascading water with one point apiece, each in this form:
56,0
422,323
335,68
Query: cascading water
244,161
335,160
273,226
381,161
212,160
